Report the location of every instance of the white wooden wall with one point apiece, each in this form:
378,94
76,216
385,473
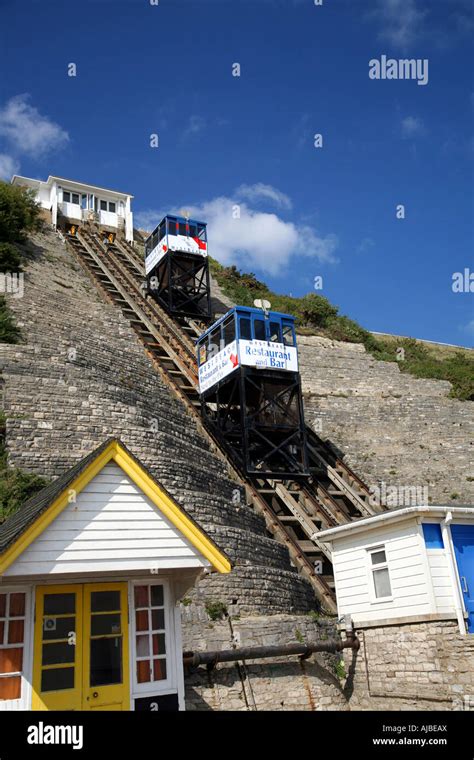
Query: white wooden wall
441,580
112,526
408,567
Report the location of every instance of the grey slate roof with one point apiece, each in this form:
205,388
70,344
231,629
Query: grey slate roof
12,528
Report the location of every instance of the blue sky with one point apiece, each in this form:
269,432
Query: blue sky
249,140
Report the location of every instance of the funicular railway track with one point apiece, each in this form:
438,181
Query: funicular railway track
294,511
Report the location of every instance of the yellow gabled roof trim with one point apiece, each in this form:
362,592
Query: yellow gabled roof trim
115,452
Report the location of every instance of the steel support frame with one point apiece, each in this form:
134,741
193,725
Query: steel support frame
174,273
242,432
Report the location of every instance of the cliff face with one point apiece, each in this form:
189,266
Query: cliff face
83,376
391,426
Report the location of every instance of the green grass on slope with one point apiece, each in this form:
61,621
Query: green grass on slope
316,315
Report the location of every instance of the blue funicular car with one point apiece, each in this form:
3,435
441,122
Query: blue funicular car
250,390
177,267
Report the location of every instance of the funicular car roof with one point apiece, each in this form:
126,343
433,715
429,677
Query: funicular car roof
247,310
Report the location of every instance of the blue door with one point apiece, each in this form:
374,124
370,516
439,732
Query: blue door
463,541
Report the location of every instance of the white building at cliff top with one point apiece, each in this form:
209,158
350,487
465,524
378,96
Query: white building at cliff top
66,201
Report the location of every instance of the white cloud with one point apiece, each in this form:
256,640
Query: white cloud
401,21
27,130
8,166
262,192
365,245
257,240
412,126
195,125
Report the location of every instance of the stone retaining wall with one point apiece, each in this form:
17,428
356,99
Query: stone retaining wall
415,666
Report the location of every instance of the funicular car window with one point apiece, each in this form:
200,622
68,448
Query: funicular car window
275,332
215,342
228,331
161,231
171,226
259,329
201,231
182,228
192,230
288,338
245,329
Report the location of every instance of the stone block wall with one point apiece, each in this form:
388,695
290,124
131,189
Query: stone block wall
427,665
390,426
277,684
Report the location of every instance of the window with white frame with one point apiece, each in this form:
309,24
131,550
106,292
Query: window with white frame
70,197
150,645
380,573
109,206
12,643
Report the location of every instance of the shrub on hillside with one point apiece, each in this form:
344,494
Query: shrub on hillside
16,486
19,213
10,258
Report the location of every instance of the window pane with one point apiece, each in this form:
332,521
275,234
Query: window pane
66,197
57,679
159,643
2,630
259,329
159,670
215,341
143,671
3,605
54,654
103,205
105,624
141,620
16,631
378,557
17,605
228,331
102,601
192,230
182,228
157,596
245,331
10,688
158,620
106,661
112,208
59,604
75,198
141,596
201,232
11,660
275,333
288,335
58,628
382,583
143,646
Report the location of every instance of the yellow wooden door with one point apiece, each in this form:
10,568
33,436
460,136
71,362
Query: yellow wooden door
81,648
106,681
57,652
